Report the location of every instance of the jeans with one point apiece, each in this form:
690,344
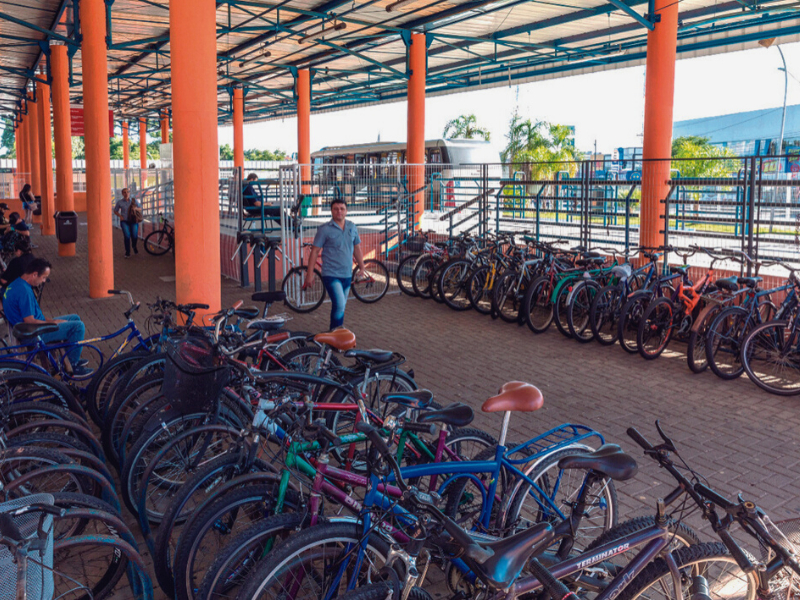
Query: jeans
337,288
72,331
130,231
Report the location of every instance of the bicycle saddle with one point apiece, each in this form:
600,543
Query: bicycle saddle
622,271
679,270
728,284
247,312
750,282
608,459
268,297
517,396
374,355
457,415
511,554
270,324
586,262
22,331
188,307
340,339
415,399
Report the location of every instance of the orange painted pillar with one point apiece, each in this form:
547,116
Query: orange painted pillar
657,143
143,144
98,153
415,149
126,147
193,47
33,147
164,128
45,159
62,135
22,154
238,126
15,190
303,90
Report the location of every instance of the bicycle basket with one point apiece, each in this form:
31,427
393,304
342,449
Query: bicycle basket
784,585
193,376
415,243
40,582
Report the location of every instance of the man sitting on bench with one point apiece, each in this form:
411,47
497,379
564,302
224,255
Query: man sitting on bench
20,306
252,201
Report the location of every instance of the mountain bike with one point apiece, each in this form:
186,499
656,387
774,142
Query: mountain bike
161,240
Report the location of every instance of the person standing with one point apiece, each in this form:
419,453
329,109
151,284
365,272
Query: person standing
28,202
339,243
124,209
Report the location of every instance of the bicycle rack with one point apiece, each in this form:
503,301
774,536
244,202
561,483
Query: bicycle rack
262,247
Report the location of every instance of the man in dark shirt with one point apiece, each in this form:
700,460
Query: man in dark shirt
18,224
22,258
251,199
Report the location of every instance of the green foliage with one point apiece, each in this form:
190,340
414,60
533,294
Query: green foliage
225,152
706,158
8,145
539,148
78,148
465,127
254,154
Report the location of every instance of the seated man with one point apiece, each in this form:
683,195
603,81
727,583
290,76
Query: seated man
18,224
20,306
251,199
22,258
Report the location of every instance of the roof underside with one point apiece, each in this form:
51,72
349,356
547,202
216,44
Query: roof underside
361,58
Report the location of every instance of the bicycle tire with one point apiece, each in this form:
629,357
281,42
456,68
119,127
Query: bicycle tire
604,315
453,284
154,242
153,364
405,274
655,328
724,342
298,299
382,591
736,584
479,291
506,299
322,541
35,387
768,345
578,308
537,308
436,291
16,415
560,306
629,320
103,380
375,286
421,281
696,349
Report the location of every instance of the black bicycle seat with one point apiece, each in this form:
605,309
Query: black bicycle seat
268,297
457,415
750,282
24,331
510,555
729,284
679,270
609,460
416,399
266,324
247,312
374,355
188,307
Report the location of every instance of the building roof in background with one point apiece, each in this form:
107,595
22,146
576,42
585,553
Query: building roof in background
743,126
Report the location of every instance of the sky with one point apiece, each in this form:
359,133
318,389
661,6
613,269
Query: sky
605,107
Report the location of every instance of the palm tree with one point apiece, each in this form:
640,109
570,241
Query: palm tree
465,127
539,146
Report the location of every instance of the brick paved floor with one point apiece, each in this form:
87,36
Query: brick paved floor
739,437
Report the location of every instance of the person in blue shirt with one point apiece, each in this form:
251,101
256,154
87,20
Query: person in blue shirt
339,243
20,306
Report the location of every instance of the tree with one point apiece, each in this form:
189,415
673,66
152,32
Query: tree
465,127
8,143
707,160
539,149
225,152
78,148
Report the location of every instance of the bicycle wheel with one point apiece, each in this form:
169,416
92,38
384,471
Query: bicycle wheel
143,394
507,296
405,274
537,307
421,279
604,315
103,380
726,580
479,290
724,342
158,242
373,287
453,284
436,291
630,317
579,304
771,358
655,328
318,563
298,299
34,387
562,487
696,350
383,590
560,306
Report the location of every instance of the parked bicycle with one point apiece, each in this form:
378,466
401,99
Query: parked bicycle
161,240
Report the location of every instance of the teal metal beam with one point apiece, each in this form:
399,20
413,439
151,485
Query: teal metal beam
47,32
646,23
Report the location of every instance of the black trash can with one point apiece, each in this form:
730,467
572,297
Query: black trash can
66,227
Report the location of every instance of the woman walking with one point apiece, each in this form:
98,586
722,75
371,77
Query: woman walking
124,209
28,202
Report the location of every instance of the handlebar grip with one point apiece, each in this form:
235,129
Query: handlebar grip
709,494
744,562
237,305
380,444
115,292
639,438
556,589
428,428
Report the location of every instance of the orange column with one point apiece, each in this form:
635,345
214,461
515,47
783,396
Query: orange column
98,153
15,191
303,90
164,128
193,48
62,135
33,147
45,159
657,143
415,149
238,126
22,155
126,147
143,144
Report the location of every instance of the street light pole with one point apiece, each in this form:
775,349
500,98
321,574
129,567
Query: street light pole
785,90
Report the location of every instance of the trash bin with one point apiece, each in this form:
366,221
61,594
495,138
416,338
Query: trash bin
66,227
305,205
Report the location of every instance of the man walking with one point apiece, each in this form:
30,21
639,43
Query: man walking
339,243
127,221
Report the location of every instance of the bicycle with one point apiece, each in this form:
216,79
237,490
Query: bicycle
162,240
368,289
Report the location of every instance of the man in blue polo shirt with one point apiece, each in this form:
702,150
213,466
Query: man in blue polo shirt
20,306
339,243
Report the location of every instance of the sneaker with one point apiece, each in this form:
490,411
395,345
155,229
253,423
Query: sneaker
81,371
127,256
81,363
135,250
